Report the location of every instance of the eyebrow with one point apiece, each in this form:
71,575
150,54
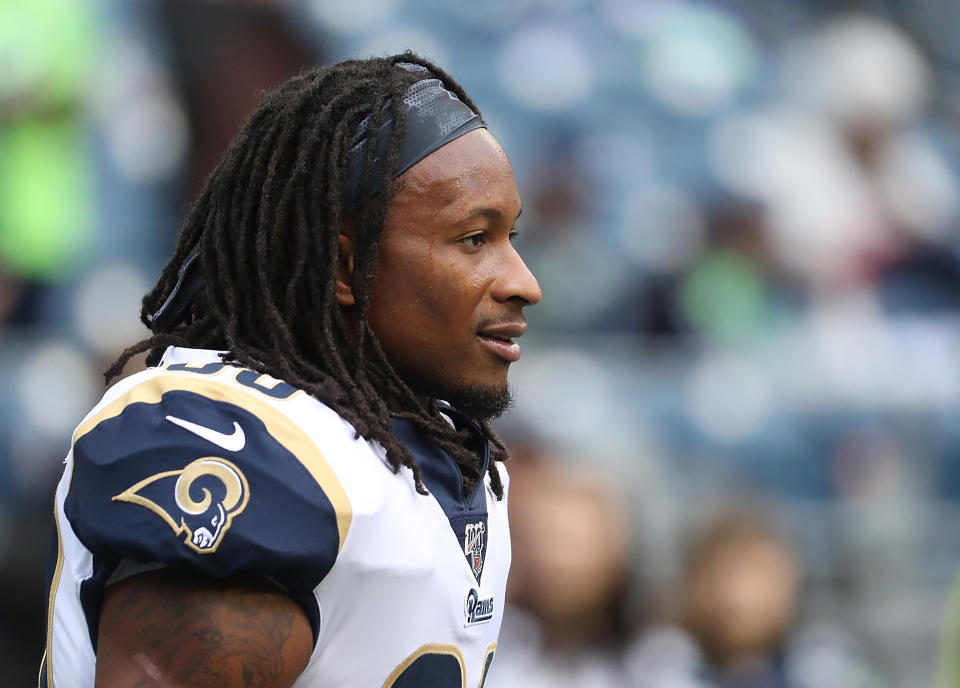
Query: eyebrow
489,212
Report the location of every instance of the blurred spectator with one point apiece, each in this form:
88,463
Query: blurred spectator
731,290
734,623
569,613
853,183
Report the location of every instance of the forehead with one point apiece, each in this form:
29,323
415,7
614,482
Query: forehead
470,172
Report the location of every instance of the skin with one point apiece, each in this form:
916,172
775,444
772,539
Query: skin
740,598
446,272
170,629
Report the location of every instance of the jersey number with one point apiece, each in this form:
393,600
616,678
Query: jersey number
437,666
248,378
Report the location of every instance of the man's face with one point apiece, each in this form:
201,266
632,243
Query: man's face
450,288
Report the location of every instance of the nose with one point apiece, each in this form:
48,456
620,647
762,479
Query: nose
515,281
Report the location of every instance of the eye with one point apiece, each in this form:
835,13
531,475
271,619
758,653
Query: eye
514,233
474,241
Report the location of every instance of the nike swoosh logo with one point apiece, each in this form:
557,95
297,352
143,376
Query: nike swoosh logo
233,442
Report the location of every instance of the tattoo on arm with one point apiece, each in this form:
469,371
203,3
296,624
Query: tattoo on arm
168,629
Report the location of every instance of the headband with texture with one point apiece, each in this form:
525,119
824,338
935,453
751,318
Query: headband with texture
434,117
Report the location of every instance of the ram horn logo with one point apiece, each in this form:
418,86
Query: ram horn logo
200,500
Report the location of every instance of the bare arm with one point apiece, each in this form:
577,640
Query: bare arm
164,629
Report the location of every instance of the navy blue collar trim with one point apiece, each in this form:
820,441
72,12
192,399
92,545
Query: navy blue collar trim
467,515
440,473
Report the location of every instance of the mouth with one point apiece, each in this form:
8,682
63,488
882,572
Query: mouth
498,339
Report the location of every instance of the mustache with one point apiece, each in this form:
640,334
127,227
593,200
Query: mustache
493,323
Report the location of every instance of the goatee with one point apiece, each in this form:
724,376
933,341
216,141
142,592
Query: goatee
481,403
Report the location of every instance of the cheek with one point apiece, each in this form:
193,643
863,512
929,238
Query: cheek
435,293
413,302
408,311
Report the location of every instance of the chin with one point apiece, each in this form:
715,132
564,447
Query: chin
481,402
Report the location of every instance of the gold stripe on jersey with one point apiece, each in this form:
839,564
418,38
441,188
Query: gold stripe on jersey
278,425
54,587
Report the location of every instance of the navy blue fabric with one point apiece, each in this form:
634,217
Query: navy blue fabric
486,668
91,596
280,390
442,477
205,369
434,670
287,532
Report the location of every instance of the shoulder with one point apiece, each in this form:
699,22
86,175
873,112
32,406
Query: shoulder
213,468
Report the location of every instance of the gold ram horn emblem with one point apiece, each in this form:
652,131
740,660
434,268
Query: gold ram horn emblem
204,520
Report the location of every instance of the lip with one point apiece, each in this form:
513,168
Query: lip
507,330
498,339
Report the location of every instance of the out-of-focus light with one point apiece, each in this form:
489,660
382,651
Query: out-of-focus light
664,656
918,187
728,397
868,465
752,154
396,39
859,68
144,123
619,161
545,68
106,308
874,362
148,137
572,261
723,295
572,407
823,656
855,348
46,49
353,16
698,60
660,229
638,19
56,386
46,207
491,14
34,459
850,340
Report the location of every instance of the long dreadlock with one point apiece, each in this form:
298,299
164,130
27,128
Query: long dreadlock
265,228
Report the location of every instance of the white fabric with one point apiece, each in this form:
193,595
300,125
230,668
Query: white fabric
398,585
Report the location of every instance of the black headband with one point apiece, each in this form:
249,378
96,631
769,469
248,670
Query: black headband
434,117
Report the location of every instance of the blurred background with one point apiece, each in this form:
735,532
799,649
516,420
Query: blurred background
737,433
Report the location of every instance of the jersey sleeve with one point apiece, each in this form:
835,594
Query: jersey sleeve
204,477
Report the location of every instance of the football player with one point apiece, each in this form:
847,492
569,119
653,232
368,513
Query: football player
303,488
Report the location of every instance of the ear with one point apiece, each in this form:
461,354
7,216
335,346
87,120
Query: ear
344,286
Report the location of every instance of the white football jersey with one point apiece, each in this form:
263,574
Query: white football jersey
208,467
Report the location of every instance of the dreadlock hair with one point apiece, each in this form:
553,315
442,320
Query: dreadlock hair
265,227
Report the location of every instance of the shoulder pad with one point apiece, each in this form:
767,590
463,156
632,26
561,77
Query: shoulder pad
196,472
